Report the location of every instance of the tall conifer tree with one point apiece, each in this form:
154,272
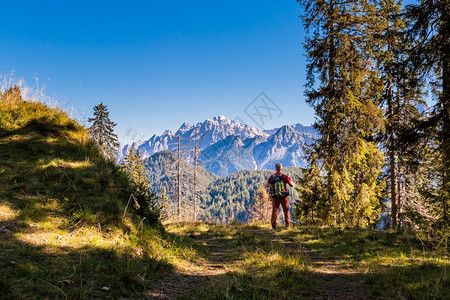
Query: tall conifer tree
401,99
346,104
260,209
431,32
312,207
133,164
102,131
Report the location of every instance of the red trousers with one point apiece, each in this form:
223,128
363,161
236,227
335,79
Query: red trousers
275,206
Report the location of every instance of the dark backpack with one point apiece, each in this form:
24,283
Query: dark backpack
276,187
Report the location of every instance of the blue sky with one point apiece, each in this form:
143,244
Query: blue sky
157,64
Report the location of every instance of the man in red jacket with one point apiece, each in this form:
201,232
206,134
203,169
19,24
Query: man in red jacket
277,181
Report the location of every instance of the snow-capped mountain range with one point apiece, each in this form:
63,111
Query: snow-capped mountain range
227,146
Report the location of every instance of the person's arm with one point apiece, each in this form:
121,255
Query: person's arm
289,181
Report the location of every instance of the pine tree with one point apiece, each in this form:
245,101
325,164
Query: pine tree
165,206
133,164
102,131
431,32
346,101
401,99
134,167
312,207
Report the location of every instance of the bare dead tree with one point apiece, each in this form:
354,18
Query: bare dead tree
179,180
195,174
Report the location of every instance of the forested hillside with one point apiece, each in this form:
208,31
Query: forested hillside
221,199
229,198
162,172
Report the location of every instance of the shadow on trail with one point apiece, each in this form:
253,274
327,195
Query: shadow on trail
246,262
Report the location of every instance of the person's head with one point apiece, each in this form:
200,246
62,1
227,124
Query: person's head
278,167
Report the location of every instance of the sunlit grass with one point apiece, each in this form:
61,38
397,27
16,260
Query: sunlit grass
7,213
61,163
262,264
393,265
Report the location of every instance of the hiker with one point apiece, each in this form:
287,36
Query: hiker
279,195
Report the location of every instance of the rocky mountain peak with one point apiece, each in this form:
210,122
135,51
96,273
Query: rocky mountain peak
227,145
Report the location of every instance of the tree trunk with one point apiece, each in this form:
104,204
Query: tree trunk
195,176
391,151
179,180
445,52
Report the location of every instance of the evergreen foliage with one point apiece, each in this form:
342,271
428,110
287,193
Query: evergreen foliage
430,31
230,198
402,100
133,164
222,199
162,175
165,207
346,101
102,131
147,205
375,63
312,207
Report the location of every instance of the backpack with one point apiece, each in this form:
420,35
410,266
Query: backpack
276,188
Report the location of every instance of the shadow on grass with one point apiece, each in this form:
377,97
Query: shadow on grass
47,179
51,272
41,176
297,264
263,270
46,125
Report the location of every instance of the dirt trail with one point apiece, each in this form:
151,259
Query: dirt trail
336,278
186,278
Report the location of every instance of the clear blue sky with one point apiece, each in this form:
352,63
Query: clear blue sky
157,64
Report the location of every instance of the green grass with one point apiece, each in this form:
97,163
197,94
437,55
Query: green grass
257,263
314,263
393,265
63,230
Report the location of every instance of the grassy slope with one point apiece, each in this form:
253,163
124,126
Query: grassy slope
63,231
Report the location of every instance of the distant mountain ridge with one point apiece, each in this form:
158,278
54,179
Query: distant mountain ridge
228,146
